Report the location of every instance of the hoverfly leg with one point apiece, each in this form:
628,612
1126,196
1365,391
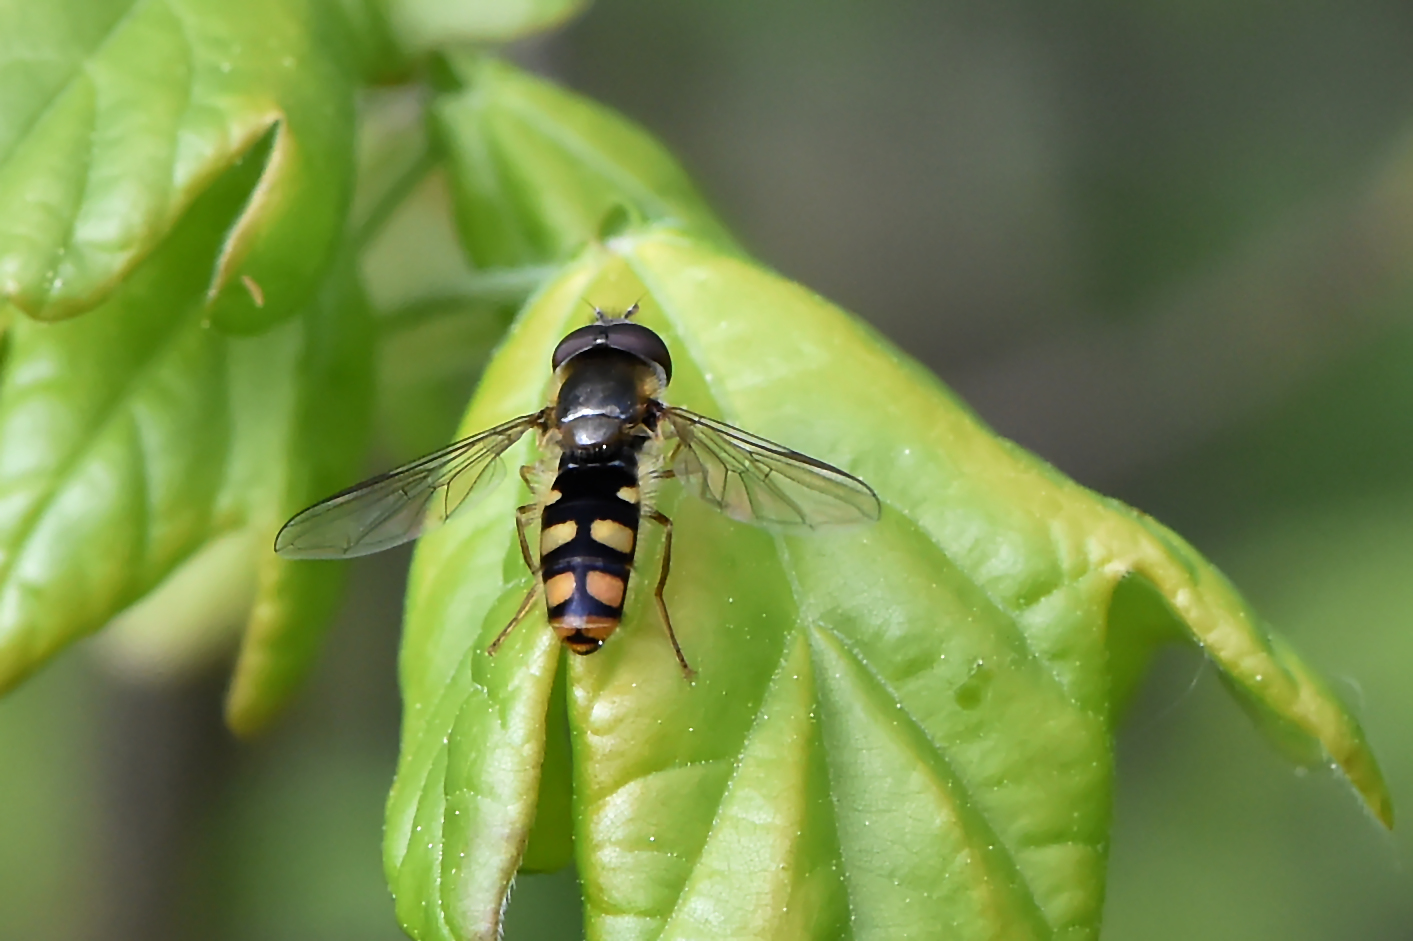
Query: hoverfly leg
525,606
666,523
521,523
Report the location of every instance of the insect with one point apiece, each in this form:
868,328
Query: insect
609,440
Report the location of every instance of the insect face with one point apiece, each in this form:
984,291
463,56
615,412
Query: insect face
616,333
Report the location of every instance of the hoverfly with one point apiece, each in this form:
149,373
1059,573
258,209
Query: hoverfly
608,440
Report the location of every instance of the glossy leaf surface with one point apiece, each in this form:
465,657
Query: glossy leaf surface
420,25
135,435
894,731
116,115
537,170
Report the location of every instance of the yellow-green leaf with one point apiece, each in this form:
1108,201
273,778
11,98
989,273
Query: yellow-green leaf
893,732
420,25
135,436
538,170
116,115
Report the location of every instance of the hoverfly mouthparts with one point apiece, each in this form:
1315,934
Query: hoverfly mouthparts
606,451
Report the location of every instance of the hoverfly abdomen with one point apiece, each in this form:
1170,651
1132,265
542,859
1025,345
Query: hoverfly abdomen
588,532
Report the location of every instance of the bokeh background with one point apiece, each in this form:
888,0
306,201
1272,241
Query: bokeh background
1167,245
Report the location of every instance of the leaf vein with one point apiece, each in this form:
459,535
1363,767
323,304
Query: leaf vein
112,411
756,724
592,157
61,245
1007,850
684,338
80,67
941,771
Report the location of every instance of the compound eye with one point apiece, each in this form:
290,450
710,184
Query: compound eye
641,342
577,342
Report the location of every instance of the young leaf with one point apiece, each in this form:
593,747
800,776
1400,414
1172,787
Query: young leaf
117,114
894,731
367,35
537,170
321,419
460,816
132,437
420,25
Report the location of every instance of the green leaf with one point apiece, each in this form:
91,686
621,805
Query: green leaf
321,420
190,623
115,115
367,35
438,319
420,25
892,729
133,437
427,370
460,816
537,170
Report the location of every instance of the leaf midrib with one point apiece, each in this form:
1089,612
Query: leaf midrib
929,763
722,402
1000,607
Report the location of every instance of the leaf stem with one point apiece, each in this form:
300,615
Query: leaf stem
366,229
491,287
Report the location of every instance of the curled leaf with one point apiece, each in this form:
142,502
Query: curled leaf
135,436
893,731
537,171
420,25
119,114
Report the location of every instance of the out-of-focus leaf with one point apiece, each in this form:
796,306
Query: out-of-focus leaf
191,621
368,37
421,25
116,115
132,437
394,155
438,318
111,448
427,372
537,170
894,731
414,257
301,423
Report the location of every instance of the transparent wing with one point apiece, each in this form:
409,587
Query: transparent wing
398,506
757,481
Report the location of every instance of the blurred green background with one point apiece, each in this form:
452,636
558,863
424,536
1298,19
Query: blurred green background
1169,246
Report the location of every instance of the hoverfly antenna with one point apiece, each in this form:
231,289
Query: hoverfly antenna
599,315
602,316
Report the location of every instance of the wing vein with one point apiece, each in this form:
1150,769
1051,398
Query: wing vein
757,481
400,505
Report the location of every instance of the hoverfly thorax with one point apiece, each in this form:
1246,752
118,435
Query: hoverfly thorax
607,374
603,397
